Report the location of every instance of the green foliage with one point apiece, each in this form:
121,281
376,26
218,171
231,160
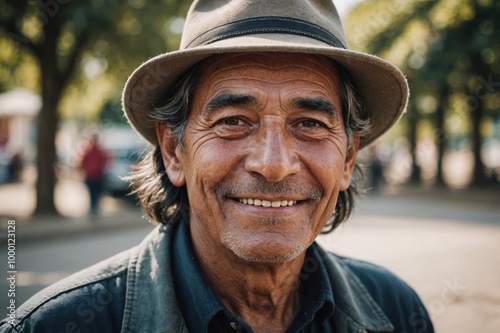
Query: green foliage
98,43
440,45
112,114
77,54
449,51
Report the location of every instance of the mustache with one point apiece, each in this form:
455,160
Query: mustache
285,188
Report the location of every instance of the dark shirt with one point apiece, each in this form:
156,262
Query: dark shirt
204,312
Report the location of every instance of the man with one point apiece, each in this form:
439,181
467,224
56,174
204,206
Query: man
256,123
93,163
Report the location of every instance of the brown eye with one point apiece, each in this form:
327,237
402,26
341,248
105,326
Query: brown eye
309,123
233,128
232,121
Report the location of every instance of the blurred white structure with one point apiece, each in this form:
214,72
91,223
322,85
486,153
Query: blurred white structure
18,110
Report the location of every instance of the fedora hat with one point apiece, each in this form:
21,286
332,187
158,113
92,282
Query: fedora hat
295,26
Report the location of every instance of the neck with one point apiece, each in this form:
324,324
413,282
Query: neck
265,295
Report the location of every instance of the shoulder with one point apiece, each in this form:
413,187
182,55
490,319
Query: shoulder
91,300
377,278
397,299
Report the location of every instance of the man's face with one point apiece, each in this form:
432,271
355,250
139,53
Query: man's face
264,154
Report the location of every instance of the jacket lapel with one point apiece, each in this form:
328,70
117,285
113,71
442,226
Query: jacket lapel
151,304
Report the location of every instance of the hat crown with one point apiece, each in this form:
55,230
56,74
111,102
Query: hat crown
208,20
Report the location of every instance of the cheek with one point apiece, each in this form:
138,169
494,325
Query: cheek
326,164
211,160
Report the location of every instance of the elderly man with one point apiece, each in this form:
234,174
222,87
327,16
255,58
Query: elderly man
255,123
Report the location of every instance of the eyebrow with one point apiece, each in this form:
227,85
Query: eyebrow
224,100
315,104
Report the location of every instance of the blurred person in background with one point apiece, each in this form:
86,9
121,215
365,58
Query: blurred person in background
5,160
93,163
256,124
11,163
376,167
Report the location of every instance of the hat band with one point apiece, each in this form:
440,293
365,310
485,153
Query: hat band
267,25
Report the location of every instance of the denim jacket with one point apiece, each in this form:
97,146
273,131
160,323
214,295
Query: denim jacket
133,292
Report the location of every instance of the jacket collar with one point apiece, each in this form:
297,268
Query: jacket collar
151,304
355,309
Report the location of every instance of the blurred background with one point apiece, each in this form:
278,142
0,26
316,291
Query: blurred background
432,210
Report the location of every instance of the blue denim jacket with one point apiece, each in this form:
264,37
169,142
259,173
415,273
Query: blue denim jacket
133,292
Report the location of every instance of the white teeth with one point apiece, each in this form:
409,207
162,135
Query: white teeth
267,203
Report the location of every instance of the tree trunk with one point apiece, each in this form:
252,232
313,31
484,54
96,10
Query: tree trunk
415,177
47,126
440,137
476,111
47,157
479,177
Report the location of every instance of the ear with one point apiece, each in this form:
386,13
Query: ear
170,154
350,163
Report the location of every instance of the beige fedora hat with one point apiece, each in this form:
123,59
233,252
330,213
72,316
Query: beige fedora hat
298,26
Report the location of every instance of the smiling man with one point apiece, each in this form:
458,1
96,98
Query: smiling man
256,123
263,156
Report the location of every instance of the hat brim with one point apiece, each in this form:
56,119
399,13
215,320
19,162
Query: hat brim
382,86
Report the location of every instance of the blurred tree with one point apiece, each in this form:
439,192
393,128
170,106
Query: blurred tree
448,50
112,113
64,43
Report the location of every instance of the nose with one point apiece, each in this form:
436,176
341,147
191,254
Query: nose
273,155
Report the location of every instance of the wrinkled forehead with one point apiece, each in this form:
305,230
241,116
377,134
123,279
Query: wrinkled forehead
277,63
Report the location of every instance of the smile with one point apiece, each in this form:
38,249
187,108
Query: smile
266,203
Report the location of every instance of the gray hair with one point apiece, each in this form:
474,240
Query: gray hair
165,203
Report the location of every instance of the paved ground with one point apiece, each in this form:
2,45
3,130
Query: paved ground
45,261
453,266
444,244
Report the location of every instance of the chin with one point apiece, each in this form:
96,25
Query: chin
267,251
